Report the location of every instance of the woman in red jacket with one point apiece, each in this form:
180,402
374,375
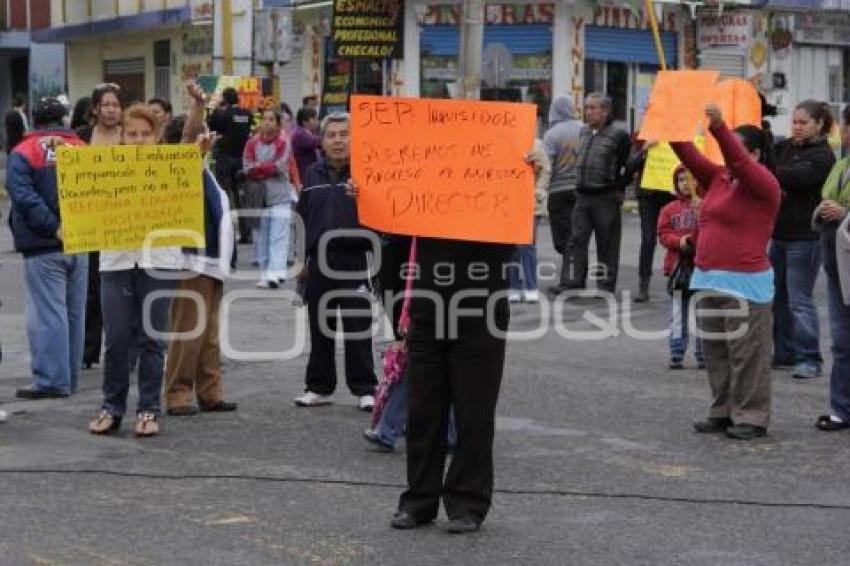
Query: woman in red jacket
733,275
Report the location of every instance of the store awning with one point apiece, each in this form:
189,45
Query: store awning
122,24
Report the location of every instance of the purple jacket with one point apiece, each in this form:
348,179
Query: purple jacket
306,147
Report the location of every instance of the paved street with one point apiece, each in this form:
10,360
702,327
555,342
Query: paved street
596,463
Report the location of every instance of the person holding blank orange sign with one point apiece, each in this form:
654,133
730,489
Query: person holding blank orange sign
733,275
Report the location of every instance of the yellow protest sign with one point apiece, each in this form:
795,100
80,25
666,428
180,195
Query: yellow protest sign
661,162
111,198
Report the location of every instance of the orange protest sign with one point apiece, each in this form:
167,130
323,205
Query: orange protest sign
740,104
444,168
677,105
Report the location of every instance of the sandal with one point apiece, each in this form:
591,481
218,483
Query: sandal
146,425
105,423
828,423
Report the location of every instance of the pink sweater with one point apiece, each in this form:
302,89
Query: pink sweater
739,207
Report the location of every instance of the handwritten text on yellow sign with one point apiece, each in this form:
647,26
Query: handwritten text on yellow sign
112,198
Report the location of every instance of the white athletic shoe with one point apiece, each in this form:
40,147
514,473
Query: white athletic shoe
514,297
532,296
3,416
366,403
311,399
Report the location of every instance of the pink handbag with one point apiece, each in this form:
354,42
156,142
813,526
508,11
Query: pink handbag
395,358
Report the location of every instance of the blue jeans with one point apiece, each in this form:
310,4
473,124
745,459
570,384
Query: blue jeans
839,324
796,331
679,310
272,242
56,286
394,418
523,269
122,296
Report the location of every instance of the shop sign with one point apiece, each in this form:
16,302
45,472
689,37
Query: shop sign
202,11
822,28
729,29
336,87
368,29
495,14
626,18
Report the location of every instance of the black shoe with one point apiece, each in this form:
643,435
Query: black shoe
555,290
220,407
745,432
700,364
32,394
375,443
464,525
185,411
713,424
676,364
405,521
829,423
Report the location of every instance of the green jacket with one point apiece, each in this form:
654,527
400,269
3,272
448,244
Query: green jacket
833,189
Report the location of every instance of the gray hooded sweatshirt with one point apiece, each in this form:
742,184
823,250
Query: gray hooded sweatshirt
561,141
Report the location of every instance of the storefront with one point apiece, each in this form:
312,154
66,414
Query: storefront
621,59
517,56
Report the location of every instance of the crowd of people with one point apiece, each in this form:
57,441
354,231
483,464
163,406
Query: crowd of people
744,243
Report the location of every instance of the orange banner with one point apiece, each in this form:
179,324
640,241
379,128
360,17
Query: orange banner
677,105
740,103
444,168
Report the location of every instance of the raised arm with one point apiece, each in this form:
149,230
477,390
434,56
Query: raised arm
753,176
195,125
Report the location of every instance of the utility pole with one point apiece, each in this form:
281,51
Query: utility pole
227,36
471,45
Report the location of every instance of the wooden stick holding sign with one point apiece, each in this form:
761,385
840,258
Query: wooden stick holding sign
444,168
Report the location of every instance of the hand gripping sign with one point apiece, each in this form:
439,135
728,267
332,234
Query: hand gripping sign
444,168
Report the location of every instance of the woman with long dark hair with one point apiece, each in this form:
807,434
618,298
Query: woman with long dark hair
733,277
99,123
803,163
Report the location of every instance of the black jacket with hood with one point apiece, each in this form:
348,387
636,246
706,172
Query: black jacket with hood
602,159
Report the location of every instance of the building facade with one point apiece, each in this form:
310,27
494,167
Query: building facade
30,70
148,47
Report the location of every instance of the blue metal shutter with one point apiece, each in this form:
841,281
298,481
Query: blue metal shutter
627,45
520,40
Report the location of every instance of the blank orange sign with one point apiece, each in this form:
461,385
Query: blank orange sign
444,168
740,103
677,105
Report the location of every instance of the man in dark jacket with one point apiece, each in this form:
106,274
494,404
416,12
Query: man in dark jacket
233,124
338,274
55,283
601,183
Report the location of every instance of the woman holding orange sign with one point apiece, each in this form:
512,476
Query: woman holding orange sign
733,275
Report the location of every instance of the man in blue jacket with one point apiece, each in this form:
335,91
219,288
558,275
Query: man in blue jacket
325,206
55,283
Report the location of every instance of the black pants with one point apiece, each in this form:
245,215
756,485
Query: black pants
359,364
395,252
94,315
649,206
598,215
466,374
561,205
227,172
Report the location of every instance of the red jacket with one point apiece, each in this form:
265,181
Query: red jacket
677,219
739,207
